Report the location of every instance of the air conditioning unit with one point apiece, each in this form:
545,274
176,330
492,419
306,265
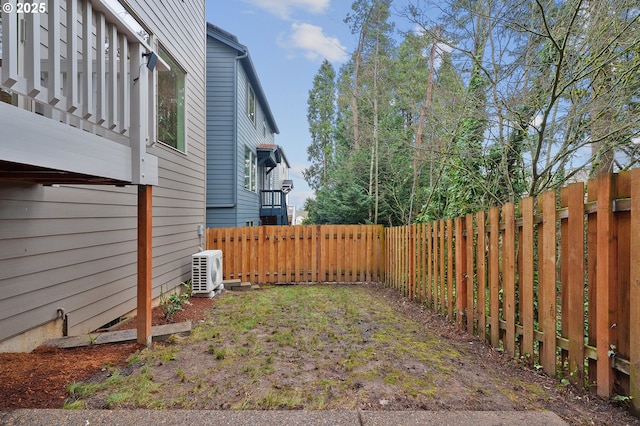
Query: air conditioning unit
206,273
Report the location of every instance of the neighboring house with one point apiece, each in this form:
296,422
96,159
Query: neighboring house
79,156
247,173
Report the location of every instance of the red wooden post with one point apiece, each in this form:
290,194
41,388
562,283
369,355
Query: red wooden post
634,297
547,282
461,271
145,257
469,275
436,266
450,274
526,279
605,284
412,261
429,259
481,266
575,282
494,274
509,277
442,268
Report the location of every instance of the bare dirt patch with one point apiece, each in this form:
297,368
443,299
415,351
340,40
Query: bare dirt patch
300,347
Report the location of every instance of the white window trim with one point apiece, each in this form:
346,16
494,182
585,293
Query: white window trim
153,116
253,171
254,118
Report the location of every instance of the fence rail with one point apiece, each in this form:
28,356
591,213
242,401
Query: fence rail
554,280
278,254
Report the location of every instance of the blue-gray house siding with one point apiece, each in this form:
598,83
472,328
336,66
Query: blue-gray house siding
229,130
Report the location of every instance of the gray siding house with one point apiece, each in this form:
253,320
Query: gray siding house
86,131
244,165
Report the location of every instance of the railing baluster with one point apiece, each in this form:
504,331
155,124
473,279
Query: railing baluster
9,49
87,67
32,54
124,85
72,56
54,79
112,34
101,69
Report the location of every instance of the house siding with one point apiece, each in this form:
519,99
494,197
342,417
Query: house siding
229,132
75,247
221,185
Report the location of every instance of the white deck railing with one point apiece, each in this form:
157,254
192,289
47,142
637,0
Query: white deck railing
80,64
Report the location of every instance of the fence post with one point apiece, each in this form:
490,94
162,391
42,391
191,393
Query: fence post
605,283
526,279
509,277
481,267
575,282
436,267
634,329
461,272
469,274
450,275
442,267
494,274
547,282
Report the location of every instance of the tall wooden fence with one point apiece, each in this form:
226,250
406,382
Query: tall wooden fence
553,280
289,254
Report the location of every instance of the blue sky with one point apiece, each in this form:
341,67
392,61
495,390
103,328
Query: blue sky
287,41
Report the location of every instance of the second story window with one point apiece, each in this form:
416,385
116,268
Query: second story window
251,104
250,170
171,93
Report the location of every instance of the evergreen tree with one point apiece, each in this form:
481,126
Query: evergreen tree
321,117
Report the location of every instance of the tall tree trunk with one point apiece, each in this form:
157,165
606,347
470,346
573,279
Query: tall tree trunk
417,153
356,81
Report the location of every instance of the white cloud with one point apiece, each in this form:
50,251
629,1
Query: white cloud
297,170
284,8
315,44
537,121
298,198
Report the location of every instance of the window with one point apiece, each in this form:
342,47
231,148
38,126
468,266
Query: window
170,93
250,170
264,128
251,104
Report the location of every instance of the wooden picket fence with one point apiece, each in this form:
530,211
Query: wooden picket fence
553,280
292,254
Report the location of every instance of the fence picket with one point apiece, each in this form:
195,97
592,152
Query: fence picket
494,275
442,272
547,282
527,244
509,277
575,282
450,275
469,281
461,271
621,310
481,266
605,283
634,295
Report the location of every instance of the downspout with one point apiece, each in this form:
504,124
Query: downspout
235,130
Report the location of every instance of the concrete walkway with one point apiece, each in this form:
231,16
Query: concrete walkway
280,418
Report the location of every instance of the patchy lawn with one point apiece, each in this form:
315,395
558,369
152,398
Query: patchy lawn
327,347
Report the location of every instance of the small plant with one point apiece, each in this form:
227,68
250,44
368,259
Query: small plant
622,400
180,373
175,302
